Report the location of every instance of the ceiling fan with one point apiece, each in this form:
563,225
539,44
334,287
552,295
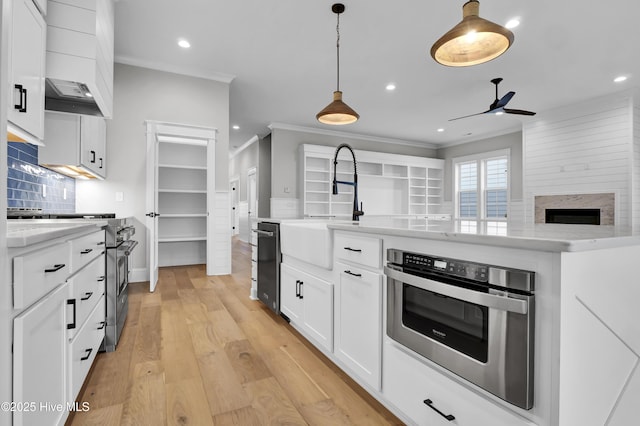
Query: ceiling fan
498,105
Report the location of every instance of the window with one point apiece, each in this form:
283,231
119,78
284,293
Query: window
482,186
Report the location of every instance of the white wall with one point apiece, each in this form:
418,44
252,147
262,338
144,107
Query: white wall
142,94
583,148
635,191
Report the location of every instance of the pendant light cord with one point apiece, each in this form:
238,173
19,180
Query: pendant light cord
338,52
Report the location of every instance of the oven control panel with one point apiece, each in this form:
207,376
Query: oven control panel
472,271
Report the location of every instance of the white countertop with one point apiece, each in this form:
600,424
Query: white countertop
543,237
24,232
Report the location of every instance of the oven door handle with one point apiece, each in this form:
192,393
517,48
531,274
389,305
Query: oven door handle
501,303
131,244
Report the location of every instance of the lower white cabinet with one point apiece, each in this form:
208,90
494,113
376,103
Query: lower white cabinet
428,397
359,321
39,353
84,347
308,303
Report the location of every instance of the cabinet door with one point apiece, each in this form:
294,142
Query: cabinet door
317,296
92,143
290,302
27,58
359,322
39,360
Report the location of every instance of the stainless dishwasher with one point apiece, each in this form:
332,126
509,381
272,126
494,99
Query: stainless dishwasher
269,258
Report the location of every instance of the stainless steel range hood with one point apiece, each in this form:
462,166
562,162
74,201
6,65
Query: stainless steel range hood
70,96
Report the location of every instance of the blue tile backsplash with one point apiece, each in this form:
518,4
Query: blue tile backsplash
27,183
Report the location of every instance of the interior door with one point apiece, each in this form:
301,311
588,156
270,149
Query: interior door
152,204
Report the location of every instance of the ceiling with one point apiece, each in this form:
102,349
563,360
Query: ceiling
282,57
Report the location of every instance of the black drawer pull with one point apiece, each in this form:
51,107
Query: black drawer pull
102,325
100,162
55,268
72,302
449,417
352,249
300,291
352,273
100,279
87,295
298,288
22,106
93,156
100,243
86,251
86,357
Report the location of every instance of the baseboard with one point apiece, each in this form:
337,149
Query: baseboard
139,275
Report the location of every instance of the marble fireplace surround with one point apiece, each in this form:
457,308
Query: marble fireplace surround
605,202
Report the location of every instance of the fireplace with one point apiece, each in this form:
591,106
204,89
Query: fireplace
573,216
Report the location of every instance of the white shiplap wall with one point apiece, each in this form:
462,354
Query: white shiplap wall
584,148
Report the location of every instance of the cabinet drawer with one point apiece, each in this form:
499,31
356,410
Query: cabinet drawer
86,290
85,249
407,383
366,251
83,349
38,272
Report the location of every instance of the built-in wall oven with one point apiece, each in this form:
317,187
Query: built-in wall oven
476,320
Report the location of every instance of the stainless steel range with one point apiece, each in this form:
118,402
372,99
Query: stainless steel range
119,247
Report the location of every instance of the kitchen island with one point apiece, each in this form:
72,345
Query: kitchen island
586,342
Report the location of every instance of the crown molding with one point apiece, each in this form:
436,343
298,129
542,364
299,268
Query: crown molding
244,146
157,66
340,134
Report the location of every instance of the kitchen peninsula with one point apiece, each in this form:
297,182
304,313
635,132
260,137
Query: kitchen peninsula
584,341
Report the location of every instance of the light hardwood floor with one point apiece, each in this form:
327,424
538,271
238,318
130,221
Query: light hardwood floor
198,351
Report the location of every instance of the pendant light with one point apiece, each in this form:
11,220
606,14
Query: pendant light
337,112
473,41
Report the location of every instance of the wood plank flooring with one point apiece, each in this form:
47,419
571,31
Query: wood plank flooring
198,351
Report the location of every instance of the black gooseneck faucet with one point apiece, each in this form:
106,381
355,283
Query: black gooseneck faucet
356,213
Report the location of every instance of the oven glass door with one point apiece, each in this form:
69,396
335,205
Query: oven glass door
121,271
459,324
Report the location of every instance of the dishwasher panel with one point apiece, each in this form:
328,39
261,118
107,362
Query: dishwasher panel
269,258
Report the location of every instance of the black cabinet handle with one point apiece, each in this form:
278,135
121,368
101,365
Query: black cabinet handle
100,243
352,273
352,249
298,288
100,162
22,106
449,417
102,324
101,278
87,295
86,251
301,296
86,357
55,268
93,156
72,302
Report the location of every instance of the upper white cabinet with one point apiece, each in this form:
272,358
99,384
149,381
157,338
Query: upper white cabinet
79,54
27,42
42,6
75,144
388,184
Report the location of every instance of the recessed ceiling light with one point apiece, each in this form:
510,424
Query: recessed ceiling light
391,87
184,43
236,127
512,23
440,130
620,79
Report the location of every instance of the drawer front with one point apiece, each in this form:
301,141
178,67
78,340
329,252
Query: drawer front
37,273
83,349
366,251
85,249
86,290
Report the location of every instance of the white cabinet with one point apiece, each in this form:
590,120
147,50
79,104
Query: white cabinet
39,354
427,397
27,43
308,303
388,184
254,260
75,145
358,314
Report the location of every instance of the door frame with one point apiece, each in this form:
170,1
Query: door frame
234,182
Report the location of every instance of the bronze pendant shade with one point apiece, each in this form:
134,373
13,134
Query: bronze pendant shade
473,41
337,112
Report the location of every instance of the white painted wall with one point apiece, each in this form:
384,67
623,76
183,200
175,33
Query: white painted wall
635,189
583,148
142,94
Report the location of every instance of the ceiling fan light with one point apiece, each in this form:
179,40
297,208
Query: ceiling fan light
473,41
337,112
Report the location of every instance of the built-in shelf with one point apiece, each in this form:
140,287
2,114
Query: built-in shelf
184,191
181,166
182,215
181,239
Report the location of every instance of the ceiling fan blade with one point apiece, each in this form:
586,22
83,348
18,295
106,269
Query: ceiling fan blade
504,100
518,111
467,116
